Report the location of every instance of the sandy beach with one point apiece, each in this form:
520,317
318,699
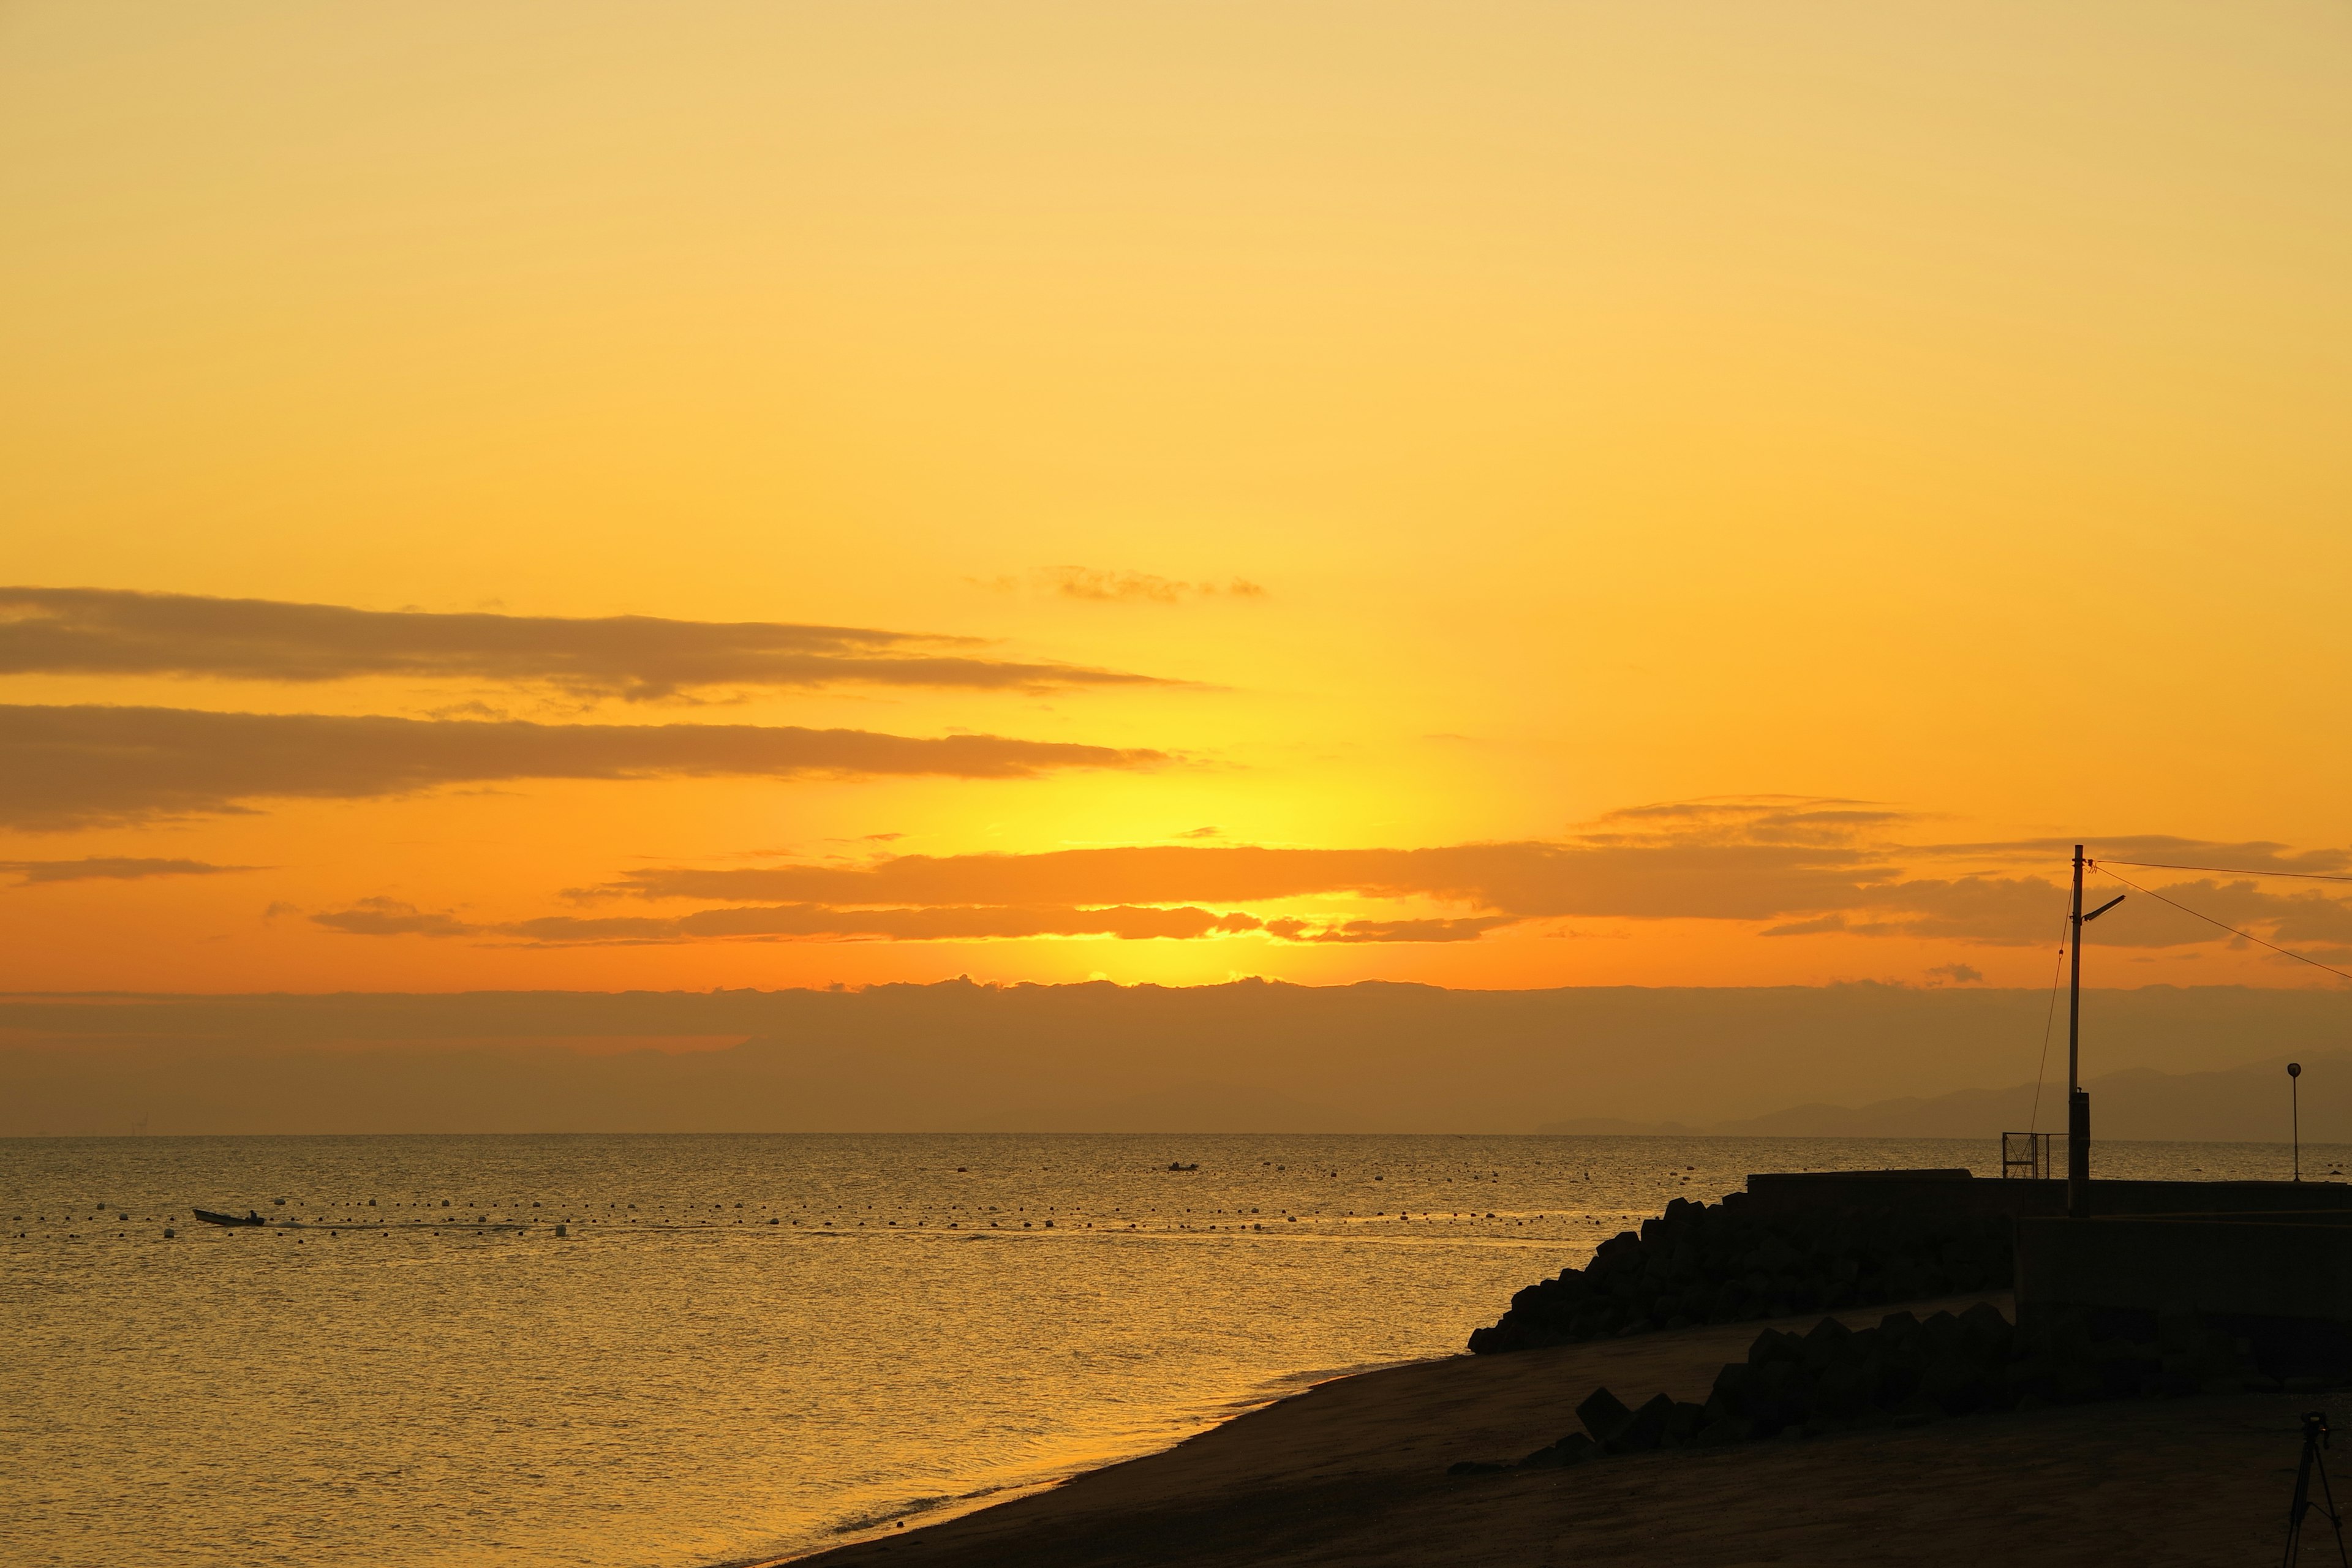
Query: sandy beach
1353,1471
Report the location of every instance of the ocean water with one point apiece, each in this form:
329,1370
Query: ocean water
742,1347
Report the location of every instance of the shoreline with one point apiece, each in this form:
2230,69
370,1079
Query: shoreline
1353,1470
946,1510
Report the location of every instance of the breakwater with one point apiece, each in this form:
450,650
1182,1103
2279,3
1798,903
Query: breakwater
1796,1242
1907,1372
1733,1262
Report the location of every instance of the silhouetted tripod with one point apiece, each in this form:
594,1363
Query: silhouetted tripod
2315,1439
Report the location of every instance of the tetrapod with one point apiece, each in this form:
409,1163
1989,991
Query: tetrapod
2315,1439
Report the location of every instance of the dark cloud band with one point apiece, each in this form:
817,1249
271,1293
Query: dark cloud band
1795,869
1798,868
387,917
104,631
110,868
64,767
1526,880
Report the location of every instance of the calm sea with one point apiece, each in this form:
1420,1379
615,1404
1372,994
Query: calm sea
741,1347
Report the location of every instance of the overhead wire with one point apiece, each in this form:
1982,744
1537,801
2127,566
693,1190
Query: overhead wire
2101,866
2228,871
2048,1018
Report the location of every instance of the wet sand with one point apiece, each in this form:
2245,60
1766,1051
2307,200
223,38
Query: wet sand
1353,1472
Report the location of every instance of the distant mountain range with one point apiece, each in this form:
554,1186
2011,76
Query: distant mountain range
2248,1104
1248,1057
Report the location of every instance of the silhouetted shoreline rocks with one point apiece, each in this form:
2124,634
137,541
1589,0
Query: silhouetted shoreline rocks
1715,1263
1906,1372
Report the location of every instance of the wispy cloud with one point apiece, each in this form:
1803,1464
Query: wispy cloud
1526,880
72,766
1469,930
812,920
818,923
2248,855
1105,586
104,631
387,917
391,917
111,868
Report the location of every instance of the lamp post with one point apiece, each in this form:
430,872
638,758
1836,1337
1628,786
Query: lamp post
2078,1104
2295,1112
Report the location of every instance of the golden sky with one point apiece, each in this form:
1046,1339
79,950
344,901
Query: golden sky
1501,495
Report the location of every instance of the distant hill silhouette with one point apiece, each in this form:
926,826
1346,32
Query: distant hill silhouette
1249,1056
2246,1104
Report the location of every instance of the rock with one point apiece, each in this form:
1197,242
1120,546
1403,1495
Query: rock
1734,1390
1906,1373
1953,1386
1476,1467
1844,1390
1825,1344
1784,1394
1604,1415
1984,1324
1572,1449
1722,1430
1647,1429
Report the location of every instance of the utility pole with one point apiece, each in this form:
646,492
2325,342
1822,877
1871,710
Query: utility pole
2078,1104
2294,1111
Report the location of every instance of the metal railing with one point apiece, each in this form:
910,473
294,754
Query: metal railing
2025,1156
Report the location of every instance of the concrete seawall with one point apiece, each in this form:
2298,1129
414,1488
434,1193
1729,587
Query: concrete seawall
1958,1192
2247,1265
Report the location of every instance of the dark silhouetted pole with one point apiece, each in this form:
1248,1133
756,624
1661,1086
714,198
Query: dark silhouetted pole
2078,1104
2294,1111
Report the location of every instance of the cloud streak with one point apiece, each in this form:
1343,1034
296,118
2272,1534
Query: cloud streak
1104,587
1788,867
1526,880
74,766
1794,867
388,917
104,631
110,868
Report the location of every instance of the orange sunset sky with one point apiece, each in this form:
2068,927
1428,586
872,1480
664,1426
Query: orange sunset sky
600,495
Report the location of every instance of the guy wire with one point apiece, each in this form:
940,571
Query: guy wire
2033,1123
2210,921
2230,871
